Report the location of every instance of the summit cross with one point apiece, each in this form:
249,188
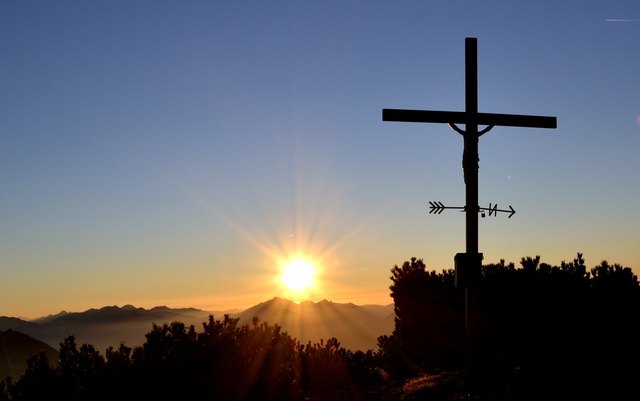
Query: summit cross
472,260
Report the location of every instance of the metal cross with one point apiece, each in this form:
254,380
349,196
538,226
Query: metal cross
472,119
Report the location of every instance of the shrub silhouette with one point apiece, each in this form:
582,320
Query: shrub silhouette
544,331
429,324
224,361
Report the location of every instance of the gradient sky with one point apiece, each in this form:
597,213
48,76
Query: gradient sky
172,152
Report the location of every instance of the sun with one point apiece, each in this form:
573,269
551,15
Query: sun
298,276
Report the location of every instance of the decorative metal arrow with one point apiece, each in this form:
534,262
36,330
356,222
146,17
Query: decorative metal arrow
439,207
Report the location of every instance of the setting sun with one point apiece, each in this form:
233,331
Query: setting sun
298,275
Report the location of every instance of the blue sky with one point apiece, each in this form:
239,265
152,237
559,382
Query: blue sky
165,152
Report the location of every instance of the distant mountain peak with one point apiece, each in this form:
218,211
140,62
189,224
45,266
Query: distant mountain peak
278,299
356,327
50,317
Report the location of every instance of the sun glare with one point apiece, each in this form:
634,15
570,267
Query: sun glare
298,275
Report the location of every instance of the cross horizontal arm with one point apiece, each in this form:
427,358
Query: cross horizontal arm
517,120
459,117
424,116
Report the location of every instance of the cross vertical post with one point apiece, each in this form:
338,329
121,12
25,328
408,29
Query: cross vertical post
470,153
473,262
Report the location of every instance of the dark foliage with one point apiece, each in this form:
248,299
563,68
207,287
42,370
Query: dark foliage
224,361
429,319
542,331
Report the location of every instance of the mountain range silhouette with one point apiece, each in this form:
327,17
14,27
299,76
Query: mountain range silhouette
357,327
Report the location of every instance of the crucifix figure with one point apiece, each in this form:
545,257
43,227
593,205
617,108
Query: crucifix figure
472,119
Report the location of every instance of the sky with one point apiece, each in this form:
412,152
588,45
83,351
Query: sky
177,152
